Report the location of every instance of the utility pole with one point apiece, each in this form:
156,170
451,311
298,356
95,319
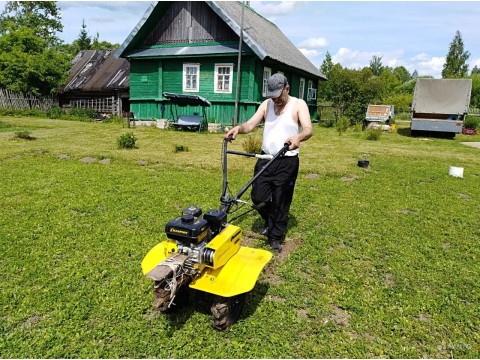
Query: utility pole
237,92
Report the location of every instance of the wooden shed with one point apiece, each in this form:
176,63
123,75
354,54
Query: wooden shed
191,47
97,80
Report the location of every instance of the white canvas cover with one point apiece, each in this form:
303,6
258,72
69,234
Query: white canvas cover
442,96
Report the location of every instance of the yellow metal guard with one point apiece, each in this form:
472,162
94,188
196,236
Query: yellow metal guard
237,276
157,254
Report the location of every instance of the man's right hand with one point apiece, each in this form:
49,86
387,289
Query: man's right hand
232,133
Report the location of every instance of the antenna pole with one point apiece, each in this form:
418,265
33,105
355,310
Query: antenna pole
237,94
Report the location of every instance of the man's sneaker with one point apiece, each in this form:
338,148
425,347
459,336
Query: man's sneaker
276,246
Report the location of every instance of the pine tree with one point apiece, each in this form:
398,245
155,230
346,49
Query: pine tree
456,62
327,65
475,70
376,65
83,41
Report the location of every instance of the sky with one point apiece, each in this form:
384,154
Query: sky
413,34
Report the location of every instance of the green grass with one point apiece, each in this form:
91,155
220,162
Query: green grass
378,262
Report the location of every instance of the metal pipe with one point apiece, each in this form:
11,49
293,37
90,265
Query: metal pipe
237,91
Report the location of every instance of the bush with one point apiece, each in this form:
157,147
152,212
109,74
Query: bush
471,122
373,133
179,148
127,141
252,145
25,135
357,127
55,112
342,124
327,123
83,114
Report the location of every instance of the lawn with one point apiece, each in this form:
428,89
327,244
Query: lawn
378,262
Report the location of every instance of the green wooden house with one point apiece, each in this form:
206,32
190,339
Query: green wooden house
192,47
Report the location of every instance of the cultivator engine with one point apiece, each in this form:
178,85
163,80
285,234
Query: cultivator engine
190,249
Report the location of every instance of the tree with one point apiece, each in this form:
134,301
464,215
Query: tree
327,65
102,45
475,70
415,74
456,62
402,74
43,17
30,59
475,97
83,41
376,65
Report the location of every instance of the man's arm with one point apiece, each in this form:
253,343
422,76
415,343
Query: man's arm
251,124
305,123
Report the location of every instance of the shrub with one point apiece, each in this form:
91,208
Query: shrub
25,135
252,145
127,141
179,148
373,133
342,124
357,127
471,122
327,123
82,114
55,112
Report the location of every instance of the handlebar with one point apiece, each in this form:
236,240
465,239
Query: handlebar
224,199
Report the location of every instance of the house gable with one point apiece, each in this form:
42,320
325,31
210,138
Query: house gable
191,22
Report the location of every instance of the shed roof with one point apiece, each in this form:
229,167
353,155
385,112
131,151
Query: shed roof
262,36
97,70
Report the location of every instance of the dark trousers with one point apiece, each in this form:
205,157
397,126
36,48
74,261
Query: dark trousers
274,187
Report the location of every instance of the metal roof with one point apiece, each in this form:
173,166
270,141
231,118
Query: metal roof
97,70
263,37
186,50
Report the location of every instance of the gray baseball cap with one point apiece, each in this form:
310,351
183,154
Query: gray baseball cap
276,83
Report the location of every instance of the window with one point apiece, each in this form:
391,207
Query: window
267,72
223,78
312,92
191,73
301,88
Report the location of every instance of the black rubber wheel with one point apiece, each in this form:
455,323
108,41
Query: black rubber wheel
226,311
180,301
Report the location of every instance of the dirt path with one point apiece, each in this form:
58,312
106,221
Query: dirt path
472,144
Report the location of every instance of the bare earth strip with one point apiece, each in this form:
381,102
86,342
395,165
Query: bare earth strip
472,144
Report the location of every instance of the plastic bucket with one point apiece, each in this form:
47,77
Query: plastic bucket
363,163
456,171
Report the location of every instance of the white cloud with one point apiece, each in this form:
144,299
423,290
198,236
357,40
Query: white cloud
314,43
474,62
274,7
423,63
309,53
428,65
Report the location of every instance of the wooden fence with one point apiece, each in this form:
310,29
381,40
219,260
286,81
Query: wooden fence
107,105
18,101
474,111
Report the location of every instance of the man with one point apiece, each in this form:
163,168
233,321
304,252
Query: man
287,120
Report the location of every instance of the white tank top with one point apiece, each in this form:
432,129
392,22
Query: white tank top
279,128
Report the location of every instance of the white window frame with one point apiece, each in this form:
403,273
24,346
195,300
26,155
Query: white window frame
267,72
218,79
301,88
196,78
312,92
